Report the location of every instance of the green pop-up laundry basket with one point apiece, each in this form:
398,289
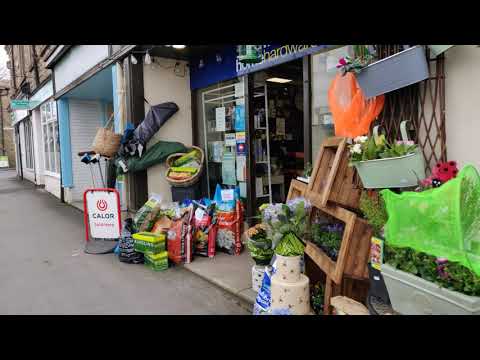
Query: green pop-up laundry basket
443,222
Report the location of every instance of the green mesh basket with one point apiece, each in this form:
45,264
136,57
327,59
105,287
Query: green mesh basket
443,222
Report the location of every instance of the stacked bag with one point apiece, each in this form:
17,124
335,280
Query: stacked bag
126,246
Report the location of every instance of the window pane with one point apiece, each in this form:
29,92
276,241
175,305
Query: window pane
57,148
54,110
51,137
49,114
45,146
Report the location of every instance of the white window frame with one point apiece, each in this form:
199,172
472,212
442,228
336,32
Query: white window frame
45,122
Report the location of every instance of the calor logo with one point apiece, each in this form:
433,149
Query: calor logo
102,205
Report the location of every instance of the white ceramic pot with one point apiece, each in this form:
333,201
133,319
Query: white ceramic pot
257,277
288,268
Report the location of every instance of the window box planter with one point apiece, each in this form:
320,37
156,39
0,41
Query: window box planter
412,295
394,72
395,172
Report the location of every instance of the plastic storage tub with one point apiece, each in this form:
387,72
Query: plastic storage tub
412,295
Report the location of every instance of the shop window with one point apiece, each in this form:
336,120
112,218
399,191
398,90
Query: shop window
221,106
323,71
51,145
28,144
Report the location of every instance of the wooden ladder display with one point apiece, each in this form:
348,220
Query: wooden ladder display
333,190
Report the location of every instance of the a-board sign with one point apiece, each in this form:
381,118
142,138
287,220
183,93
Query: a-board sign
103,213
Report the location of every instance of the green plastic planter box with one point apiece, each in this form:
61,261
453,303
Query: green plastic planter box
412,295
396,172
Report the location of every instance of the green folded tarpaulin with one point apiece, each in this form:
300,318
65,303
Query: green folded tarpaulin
154,155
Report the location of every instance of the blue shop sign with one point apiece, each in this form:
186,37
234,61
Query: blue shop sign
224,65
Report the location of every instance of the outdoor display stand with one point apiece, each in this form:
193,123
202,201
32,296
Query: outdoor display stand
102,220
333,191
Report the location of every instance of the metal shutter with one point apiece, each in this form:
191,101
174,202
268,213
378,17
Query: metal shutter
85,119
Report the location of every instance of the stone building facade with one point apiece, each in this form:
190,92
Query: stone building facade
27,67
7,143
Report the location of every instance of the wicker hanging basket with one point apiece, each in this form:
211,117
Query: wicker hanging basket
106,142
188,181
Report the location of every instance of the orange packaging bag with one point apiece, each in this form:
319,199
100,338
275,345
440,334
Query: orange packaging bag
352,112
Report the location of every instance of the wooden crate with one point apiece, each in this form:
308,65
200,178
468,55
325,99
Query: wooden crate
334,269
332,179
354,251
297,189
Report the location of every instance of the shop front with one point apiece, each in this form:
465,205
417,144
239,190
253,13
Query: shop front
262,124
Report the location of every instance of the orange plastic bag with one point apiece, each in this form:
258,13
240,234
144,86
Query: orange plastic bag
352,113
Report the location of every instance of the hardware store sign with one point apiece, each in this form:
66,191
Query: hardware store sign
103,214
277,54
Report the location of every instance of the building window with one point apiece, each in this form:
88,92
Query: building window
51,146
28,144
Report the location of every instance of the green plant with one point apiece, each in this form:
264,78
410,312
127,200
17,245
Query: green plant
450,275
283,219
290,245
308,170
374,210
328,238
317,297
366,148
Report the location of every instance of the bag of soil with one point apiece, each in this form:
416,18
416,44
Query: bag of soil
141,216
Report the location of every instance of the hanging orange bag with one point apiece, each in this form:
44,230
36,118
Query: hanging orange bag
352,113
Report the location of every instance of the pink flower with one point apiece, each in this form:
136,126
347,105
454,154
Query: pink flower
341,62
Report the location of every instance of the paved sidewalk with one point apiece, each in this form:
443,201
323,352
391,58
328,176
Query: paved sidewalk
43,269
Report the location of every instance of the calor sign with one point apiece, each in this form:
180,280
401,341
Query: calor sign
103,213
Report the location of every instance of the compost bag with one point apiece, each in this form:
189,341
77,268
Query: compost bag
442,222
352,112
154,155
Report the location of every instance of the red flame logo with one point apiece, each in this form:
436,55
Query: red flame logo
102,205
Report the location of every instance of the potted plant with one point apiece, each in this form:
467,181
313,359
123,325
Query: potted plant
431,250
286,225
259,245
381,164
402,69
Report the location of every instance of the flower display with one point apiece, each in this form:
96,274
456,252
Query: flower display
286,219
366,148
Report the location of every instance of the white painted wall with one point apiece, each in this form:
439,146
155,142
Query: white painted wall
78,60
161,84
52,185
462,93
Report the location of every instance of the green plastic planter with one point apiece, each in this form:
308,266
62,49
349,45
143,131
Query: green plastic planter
398,172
